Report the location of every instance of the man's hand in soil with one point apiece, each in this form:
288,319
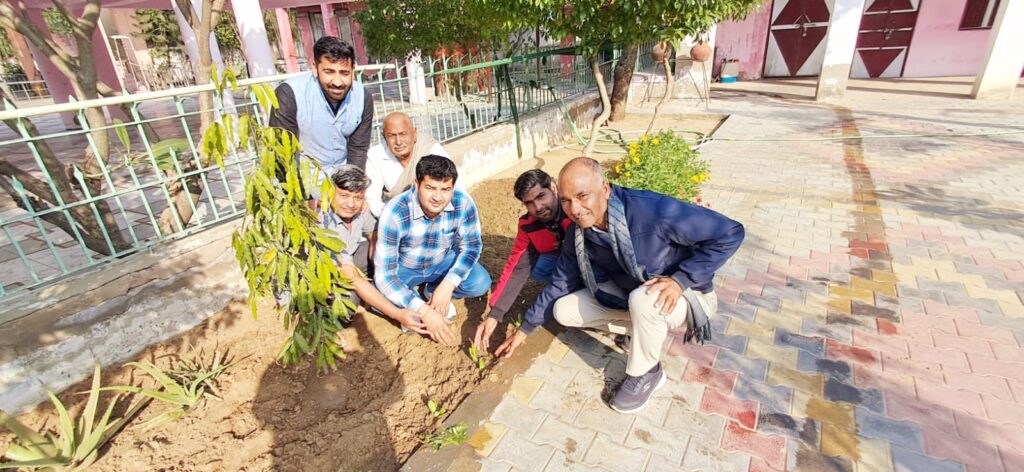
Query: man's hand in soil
511,344
441,297
482,341
436,326
411,320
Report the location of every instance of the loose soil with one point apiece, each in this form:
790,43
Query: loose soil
370,414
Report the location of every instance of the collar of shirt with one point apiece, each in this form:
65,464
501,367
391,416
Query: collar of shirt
417,210
335,111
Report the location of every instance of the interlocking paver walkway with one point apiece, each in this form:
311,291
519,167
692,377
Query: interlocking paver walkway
872,321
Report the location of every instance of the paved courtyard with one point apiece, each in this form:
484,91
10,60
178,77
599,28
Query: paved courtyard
872,321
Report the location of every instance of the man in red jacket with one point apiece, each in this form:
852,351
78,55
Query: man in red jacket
535,250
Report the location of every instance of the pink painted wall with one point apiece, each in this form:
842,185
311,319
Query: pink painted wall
744,40
939,48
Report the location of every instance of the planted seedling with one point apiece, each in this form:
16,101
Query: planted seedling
183,388
436,410
450,436
480,360
76,444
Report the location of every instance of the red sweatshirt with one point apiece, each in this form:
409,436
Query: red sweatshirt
533,238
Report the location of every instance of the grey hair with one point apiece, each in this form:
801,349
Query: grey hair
589,163
350,178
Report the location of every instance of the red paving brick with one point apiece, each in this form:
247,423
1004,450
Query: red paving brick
978,456
892,345
886,327
719,379
964,400
993,386
743,411
1007,353
986,366
702,354
858,355
994,334
978,346
770,448
948,358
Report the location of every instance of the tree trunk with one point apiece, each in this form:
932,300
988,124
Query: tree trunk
621,82
606,108
669,85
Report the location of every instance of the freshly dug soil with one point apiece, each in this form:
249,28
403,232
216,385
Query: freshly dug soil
370,414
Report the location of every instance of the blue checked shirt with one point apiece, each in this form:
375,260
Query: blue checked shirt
408,238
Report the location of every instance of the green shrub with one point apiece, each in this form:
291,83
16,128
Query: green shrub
665,164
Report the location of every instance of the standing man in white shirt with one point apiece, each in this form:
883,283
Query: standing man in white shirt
391,165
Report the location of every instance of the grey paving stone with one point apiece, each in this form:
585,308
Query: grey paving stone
611,455
705,455
571,440
773,398
705,426
524,419
902,433
559,462
813,345
549,372
523,454
651,437
753,368
598,416
907,461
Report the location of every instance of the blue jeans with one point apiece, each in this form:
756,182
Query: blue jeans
544,266
476,284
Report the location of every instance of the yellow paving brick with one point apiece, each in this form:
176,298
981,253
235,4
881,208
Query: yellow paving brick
800,400
969,280
839,443
1011,309
873,285
738,327
874,456
802,310
907,273
524,388
782,319
996,294
860,294
938,265
771,353
486,438
884,276
557,351
839,415
841,304
799,381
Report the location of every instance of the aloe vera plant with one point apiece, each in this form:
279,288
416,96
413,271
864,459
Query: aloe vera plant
183,388
77,442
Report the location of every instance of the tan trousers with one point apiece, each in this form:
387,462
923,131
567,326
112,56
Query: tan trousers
649,329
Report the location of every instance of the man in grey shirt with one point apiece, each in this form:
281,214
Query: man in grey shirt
355,225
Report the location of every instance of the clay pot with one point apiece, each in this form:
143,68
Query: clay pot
659,51
700,52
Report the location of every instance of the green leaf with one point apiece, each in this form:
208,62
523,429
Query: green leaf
165,151
122,135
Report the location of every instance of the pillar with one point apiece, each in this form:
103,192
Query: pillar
188,35
330,25
287,43
1002,69
103,57
306,33
253,32
416,79
59,85
20,46
839,48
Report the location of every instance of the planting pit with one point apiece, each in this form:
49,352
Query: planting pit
370,414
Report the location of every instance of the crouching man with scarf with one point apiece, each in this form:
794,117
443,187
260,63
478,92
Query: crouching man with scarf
659,255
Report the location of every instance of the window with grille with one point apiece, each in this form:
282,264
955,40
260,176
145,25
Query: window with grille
979,14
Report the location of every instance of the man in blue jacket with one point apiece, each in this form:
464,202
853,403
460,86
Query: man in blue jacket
659,255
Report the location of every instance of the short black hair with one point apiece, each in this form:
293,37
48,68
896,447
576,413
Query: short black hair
439,168
334,49
351,179
528,179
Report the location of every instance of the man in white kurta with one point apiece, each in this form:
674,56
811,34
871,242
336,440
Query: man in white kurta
391,165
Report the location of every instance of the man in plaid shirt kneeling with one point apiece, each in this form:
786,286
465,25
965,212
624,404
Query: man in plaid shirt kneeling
430,235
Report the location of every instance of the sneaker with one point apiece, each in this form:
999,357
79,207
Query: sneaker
622,342
635,392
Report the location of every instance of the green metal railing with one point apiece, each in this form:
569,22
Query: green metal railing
59,216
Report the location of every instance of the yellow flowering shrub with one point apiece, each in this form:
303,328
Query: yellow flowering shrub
662,163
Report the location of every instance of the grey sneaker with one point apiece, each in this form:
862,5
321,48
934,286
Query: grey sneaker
635,392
